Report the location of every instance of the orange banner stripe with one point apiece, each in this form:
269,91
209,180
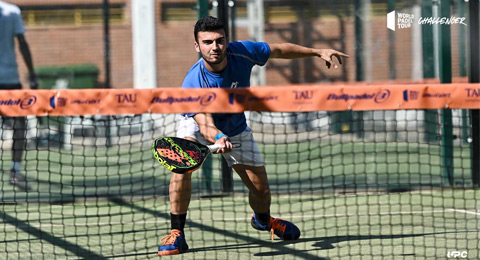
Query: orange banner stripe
293,98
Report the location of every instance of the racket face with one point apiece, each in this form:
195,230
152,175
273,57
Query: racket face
179,155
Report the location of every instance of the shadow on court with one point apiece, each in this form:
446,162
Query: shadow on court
325,243
51,239
328,242
280,248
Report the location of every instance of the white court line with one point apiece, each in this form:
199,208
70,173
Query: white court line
372,214
465,211
137,222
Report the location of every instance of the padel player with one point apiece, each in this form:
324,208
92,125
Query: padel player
229,65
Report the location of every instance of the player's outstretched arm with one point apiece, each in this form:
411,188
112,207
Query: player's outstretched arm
294,51
211,132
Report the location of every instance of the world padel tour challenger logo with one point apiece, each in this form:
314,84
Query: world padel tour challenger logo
397,20
403,21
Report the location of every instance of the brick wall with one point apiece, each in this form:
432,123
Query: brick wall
175,50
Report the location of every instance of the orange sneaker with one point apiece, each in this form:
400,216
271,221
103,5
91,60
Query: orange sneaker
282,228
173,244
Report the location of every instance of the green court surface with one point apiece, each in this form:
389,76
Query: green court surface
350,200
412,225
86,171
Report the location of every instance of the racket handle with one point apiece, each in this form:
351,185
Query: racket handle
214,147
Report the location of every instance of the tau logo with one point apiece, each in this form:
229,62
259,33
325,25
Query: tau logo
308,94
471,92
126,98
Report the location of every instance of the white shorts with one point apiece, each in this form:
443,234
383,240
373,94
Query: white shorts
247,154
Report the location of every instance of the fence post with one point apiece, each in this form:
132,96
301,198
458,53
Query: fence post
474,77
446,77
430,116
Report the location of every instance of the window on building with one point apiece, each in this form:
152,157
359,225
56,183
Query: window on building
72,15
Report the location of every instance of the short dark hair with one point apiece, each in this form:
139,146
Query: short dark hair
208,24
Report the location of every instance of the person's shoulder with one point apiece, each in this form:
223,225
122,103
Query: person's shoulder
238,47
240,44
195,67
8,8
193,75
246,45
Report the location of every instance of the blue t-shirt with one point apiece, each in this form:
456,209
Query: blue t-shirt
241,57
11,24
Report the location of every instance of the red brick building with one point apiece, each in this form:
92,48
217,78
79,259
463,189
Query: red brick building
70,32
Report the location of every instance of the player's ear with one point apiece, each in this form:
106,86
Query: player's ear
197,47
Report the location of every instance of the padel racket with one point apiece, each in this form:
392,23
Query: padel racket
181,155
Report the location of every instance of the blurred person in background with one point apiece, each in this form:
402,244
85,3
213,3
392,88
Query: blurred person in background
11,27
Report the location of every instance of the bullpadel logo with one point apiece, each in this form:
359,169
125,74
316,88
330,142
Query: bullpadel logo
397,20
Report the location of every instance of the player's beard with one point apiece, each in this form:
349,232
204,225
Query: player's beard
217,61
